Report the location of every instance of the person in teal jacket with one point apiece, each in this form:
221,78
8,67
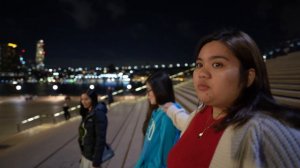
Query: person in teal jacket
159,131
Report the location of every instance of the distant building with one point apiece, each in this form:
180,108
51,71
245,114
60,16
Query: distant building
40,55
9,58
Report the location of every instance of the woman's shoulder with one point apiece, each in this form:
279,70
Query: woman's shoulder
262,138
267,127
159,113
177,105
265,121
101,107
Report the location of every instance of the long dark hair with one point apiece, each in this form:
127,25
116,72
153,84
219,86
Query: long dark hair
94,97
257,97
83,111
162,87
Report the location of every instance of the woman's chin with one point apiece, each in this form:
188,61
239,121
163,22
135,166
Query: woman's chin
205,101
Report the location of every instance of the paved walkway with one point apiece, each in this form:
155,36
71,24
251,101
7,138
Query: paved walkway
33,147
55,145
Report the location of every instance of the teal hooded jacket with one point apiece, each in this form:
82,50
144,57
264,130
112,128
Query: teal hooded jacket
160,137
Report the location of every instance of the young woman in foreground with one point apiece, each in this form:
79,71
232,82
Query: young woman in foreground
239,124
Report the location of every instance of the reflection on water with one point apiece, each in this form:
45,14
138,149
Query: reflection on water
43,89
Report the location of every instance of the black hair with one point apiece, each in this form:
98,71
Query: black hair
257,97
162,87
94,98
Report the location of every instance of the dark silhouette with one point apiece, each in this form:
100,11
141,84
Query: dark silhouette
110,98
66,107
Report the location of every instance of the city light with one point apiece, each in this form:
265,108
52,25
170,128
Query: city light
129,87
264,57
55,74
54,87
50,79
31,119
18,87
12,45
92,87
141,88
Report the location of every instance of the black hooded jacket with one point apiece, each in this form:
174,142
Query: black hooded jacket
92,134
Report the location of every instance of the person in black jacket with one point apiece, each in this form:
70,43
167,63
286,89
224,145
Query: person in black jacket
92,130
66,107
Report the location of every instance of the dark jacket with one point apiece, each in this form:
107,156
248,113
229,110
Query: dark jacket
92,134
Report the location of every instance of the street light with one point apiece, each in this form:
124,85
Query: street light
18,87
54,87
92,87
128,86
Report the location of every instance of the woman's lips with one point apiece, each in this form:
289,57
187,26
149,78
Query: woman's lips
202,87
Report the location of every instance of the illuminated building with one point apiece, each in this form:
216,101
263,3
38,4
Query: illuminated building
9,59
40,55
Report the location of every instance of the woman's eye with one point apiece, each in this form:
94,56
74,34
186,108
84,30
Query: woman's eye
217,65
198,65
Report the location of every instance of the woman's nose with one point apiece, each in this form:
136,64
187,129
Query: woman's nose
202,72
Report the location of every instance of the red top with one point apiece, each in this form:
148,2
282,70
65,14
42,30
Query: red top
192,151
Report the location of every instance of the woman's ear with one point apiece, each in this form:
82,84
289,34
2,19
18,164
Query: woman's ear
251,76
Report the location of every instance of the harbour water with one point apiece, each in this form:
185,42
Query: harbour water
43,89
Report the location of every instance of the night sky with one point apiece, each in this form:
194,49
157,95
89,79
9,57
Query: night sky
92,33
